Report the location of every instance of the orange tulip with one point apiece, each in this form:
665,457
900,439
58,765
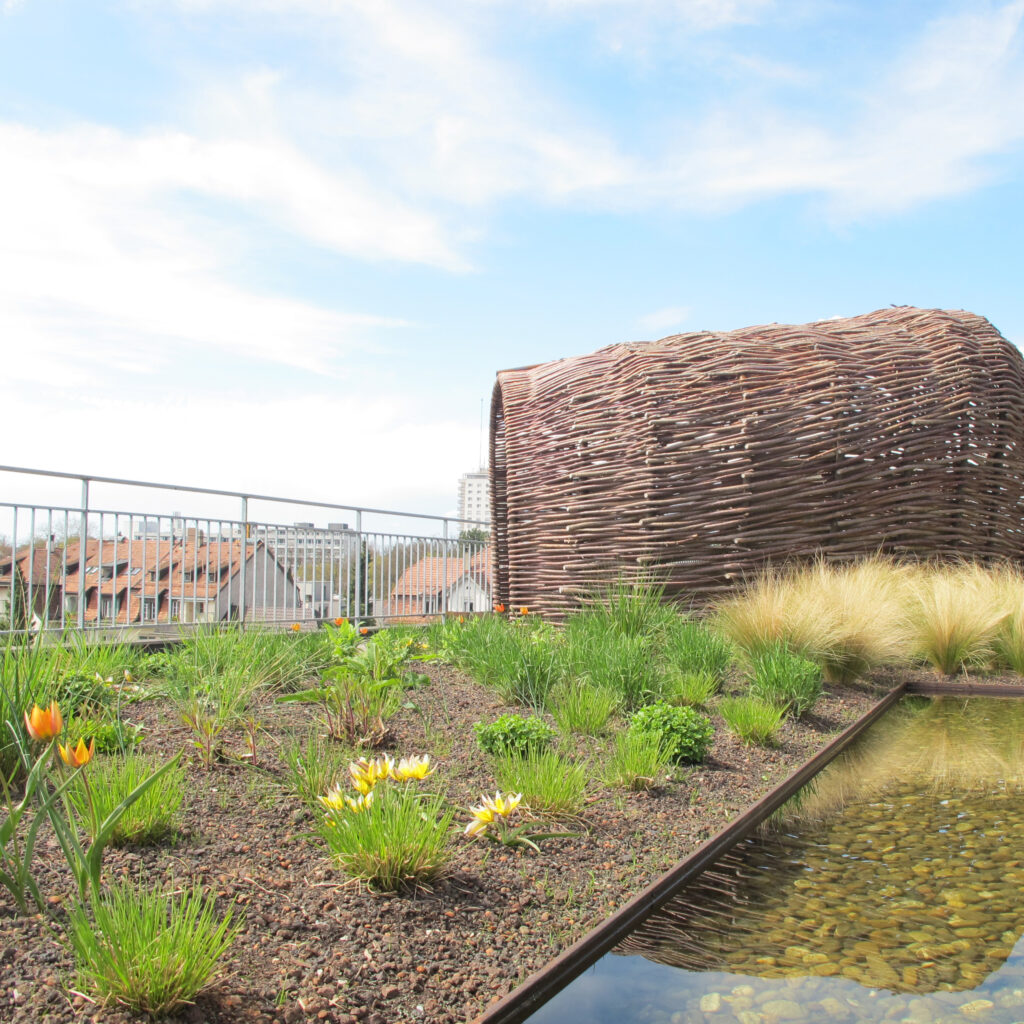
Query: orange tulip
524,610
340,621
500,609
44,725
364,630
79,756
461,619
295,627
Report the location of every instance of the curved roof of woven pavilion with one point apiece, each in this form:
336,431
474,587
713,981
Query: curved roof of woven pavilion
703,457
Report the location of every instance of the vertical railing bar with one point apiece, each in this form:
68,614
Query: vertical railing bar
358,568
242,568
83,536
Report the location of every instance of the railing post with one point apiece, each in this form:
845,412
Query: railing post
359,569
245,558
444,575
83,537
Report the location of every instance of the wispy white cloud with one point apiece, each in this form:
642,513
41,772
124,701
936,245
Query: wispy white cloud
667,319
102,267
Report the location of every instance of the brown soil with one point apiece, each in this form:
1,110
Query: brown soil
318,948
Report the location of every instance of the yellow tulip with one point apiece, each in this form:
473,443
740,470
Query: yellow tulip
44,725
78,757
412,768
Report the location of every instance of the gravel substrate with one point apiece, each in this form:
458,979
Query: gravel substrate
318,948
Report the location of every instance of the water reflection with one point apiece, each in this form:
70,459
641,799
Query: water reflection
904,905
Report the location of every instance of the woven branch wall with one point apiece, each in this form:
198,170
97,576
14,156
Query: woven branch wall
703,457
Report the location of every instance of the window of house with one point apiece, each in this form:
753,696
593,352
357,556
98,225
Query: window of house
189,576
108,606
149,608
175,608
70,604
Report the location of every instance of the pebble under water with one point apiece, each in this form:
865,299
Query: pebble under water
902,907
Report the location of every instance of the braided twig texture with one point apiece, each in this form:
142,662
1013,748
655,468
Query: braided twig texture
703,457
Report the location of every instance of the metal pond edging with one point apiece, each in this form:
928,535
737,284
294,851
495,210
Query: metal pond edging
951,688
541,986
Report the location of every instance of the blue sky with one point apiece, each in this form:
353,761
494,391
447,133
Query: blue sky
285,245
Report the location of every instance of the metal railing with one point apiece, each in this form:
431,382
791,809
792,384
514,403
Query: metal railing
144,574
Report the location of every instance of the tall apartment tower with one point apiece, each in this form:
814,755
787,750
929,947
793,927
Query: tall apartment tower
475,496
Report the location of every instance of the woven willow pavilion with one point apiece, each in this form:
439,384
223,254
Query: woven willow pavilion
703,457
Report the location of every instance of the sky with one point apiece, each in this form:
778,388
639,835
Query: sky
284,246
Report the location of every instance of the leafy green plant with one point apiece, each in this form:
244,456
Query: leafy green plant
551,785
17,850
153,817
578,707
356,707
513,734
752,720
393,838
150,951
638,759
205,728
111,733
684,733
786,680
694,689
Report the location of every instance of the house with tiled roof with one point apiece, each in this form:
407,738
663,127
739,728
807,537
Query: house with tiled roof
458,583
189,580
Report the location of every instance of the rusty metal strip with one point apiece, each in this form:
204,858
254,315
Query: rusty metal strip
951,688
521,1002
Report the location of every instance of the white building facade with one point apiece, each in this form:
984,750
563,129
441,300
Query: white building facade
475,497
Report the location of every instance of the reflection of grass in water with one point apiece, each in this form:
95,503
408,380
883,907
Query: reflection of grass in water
945,744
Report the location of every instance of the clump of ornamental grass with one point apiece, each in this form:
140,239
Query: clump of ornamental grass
151,818
629,607
786,680
751,720
777,608
151,951
692,649
385,832
315,764
578,707
637,761
623,664
955,615
551,786
1008,642
862,606
693,689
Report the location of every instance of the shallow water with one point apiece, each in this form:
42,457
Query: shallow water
905,906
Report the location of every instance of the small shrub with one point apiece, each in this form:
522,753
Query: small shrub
632,608
579,708
683,732
153,817
151,951
752,720
694,689
786,680
396,840
550,785
637,761
513,734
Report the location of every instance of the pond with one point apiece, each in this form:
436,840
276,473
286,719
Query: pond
888,890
